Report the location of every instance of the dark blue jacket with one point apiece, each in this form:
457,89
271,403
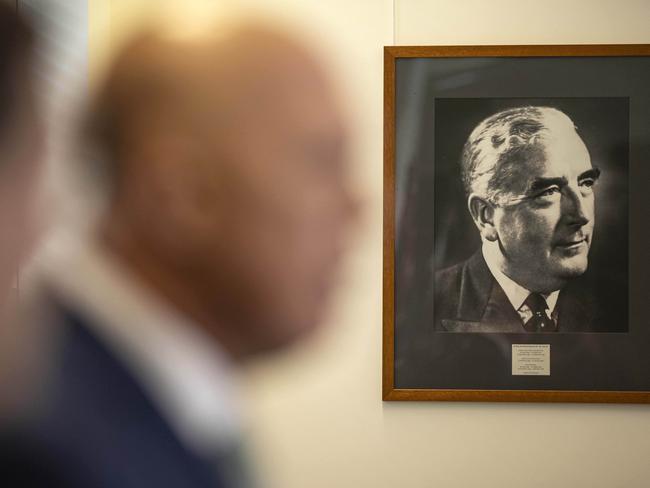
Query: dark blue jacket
95,428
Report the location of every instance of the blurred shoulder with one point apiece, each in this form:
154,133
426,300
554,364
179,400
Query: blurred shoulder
31,360
29,463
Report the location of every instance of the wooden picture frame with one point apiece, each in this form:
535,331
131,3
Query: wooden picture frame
620,365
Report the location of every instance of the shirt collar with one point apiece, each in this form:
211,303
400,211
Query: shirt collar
185,372
516,293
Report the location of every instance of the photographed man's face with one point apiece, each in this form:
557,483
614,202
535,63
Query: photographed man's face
546,225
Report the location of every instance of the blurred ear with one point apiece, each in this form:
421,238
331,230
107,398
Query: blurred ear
482,212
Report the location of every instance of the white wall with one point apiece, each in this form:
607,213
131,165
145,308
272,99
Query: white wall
317,415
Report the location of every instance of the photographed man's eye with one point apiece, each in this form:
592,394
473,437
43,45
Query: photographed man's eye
587,186
589,182
550,191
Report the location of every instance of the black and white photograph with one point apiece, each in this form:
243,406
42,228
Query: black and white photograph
518,208
515,229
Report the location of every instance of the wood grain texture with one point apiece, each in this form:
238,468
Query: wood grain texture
519,51
389,226
552,396
390,393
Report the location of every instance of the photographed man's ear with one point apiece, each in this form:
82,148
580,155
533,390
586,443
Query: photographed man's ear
482,212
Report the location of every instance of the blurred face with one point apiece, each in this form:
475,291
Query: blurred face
21,146
232,196
546,226
281,206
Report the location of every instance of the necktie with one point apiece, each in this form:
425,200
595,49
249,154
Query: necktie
540,321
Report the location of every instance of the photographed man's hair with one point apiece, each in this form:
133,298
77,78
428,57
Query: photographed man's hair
501,142
16,42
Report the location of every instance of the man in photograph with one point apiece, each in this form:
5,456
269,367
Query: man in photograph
529,183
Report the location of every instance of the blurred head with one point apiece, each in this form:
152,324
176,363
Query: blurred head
226,160
529,180
21,144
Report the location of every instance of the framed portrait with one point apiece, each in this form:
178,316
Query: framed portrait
516,223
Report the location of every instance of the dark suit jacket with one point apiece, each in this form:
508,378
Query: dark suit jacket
95,427
467,298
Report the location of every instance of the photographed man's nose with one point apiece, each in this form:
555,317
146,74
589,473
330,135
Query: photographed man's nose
575,207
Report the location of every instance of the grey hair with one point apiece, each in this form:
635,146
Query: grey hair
503,140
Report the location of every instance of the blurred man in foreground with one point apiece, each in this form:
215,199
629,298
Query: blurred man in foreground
21,148
224,165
